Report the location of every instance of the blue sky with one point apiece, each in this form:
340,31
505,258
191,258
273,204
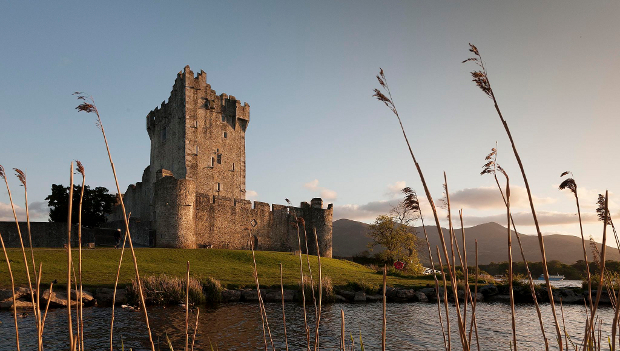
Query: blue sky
307,69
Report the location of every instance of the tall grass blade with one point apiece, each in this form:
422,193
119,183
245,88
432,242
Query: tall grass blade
8,263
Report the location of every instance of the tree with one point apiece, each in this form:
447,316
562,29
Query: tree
97,203
393,233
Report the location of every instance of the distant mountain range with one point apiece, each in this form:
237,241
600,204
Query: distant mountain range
351,238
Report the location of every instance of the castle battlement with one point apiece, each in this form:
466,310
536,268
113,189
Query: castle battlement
192,193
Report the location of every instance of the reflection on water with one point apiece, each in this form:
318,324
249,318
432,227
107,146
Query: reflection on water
410,326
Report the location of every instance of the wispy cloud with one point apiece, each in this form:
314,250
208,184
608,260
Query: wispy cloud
38,212
365,212
251,195
326,194
395,190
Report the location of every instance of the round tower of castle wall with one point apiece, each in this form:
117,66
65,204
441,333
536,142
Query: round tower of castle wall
174,201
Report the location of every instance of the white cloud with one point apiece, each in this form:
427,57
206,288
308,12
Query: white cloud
38,212
326,194
312,185
366,212
395,190
251,195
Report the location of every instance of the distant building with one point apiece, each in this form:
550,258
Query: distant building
193,192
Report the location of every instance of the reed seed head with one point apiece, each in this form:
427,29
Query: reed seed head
479,76
411,201
21,175
600,210
491,167
80,167
381,96
2,174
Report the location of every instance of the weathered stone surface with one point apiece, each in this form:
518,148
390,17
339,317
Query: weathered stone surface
104,296
405,294
347,294
20,304
374,298
421,297
231,295
391,293
59,298
276,295
249,295
339,298
360,296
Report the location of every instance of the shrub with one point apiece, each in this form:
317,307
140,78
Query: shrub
212,290
166,290
328,289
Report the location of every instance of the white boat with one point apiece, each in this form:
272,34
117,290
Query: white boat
555,278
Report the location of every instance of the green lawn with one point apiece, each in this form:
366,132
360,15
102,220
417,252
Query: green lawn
233,268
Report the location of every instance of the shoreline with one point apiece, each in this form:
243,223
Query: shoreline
102,297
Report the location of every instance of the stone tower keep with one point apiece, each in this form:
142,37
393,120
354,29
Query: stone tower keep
200,135
193,192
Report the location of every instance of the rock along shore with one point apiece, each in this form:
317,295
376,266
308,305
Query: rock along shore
486,293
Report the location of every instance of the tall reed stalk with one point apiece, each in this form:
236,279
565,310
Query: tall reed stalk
459,316
445,297
187,310
412,203
342,331
283,313
491,167
602,265
384,327
69,263
481,79
261,303
570,184
81,170
88,106
474,303
8,264
389,102
318,312
37,312
21,241
118,273
300,221
195,327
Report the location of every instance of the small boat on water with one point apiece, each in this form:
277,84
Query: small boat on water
556,277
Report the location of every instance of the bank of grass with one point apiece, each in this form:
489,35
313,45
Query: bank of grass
233,268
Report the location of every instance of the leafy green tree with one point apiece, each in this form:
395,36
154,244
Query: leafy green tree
398,240
97,203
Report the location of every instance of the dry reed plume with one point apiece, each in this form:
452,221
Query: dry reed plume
480,77
88,106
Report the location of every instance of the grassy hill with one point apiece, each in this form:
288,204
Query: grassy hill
233,268
351,237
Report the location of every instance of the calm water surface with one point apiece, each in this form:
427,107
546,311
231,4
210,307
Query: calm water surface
411,326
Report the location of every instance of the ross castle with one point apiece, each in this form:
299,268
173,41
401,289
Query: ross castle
193,192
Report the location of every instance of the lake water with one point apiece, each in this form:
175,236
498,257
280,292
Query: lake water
410,326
